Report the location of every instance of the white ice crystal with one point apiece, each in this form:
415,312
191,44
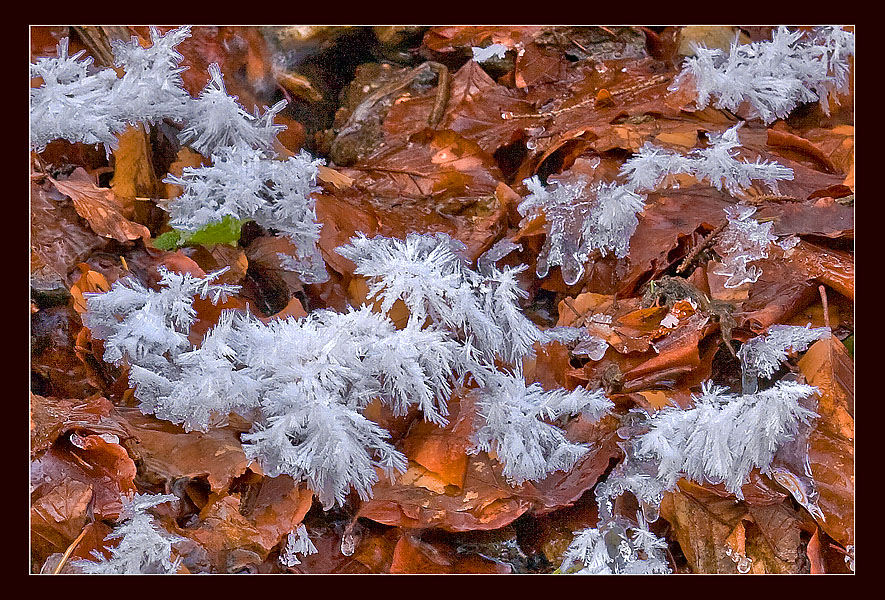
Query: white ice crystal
774,76
512,420
581,219
245,184
316,376
743,241
297,542
92,108
144,547
481,55
716,164
724,436
430,275
764,354
217,120
616,547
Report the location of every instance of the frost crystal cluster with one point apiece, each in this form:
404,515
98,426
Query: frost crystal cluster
512,421
430,275
581,219
144,547
93,108
219,121
297,542
149,331
616,547
724,436
717,164
481,311
481,55
764,354
743,241
242,183
774,76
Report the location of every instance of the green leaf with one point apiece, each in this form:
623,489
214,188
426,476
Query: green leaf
849,344
168,241
226,231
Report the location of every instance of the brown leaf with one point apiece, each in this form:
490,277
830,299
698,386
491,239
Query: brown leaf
100,207
53,417
59,240
57,369
57,517
167,453
476,109
230,540
91,282
412,555
102,465
828,366
275,508
133,170
450,38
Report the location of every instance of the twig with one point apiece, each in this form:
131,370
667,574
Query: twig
700,247
70,550
772,198
823,299
648,83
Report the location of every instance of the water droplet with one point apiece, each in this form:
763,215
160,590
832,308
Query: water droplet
531,144
348,544
728,550
737,557
744,565
650,511
506,115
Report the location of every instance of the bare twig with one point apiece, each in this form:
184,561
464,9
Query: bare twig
700,247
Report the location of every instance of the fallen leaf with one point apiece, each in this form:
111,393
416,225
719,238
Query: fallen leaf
100,207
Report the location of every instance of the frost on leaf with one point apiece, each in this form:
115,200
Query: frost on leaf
92,108
743,241
512,420
430,275
724,436
245,185
716,164
217,120
616,547
144,547
297,542
774,76
581,219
